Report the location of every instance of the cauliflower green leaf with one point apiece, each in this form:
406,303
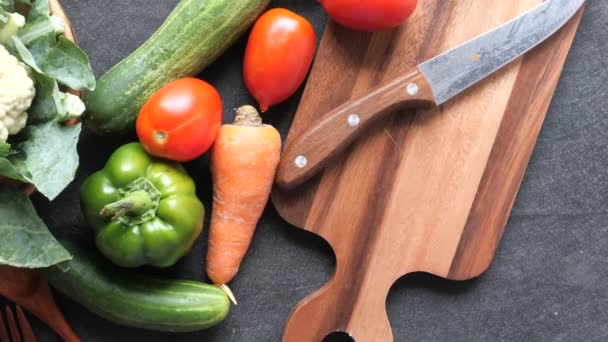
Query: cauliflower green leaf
65,62
5,149
24,54
9,5
51,104
52,156
39,9
47,103
26,241
13,167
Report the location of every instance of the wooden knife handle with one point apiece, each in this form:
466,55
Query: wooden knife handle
305,155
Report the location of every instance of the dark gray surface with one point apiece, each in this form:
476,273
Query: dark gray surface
548,282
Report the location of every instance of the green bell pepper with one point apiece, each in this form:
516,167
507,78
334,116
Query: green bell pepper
144,210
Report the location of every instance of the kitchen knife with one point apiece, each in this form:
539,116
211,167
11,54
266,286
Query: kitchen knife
431,83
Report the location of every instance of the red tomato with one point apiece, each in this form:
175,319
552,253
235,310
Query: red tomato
279,53
369,15
181,120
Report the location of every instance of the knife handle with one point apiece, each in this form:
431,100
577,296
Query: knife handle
305,155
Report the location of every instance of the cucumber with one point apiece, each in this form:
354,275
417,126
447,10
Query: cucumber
135,300
193,36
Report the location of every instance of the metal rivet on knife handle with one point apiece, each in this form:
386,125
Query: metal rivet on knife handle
412,89
301,162
354,120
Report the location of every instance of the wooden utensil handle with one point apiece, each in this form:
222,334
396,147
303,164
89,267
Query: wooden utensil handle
30,289
308,153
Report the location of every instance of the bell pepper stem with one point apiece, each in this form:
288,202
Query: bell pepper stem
134,203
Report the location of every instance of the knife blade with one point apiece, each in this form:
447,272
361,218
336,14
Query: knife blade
431,83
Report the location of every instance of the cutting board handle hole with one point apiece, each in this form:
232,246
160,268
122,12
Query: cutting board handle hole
338,336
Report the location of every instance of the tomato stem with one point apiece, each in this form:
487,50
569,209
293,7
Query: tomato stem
160,137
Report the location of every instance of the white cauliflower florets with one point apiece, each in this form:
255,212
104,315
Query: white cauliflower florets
17,92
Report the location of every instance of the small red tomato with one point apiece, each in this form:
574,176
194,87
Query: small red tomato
181,120
369,15
279,53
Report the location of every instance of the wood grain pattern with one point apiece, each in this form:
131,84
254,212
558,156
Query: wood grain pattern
429,190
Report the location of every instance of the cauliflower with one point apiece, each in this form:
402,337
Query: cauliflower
17,92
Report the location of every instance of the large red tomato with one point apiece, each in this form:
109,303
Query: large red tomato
181,120
369,15
279,53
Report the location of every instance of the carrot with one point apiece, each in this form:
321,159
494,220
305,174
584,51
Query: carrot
244,161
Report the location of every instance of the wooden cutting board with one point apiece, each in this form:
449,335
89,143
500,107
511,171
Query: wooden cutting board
421,191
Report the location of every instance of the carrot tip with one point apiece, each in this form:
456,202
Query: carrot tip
229,293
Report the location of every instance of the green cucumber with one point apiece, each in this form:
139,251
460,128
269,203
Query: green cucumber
192,37
136,300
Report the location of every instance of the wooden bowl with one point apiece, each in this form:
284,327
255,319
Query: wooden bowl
56,9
